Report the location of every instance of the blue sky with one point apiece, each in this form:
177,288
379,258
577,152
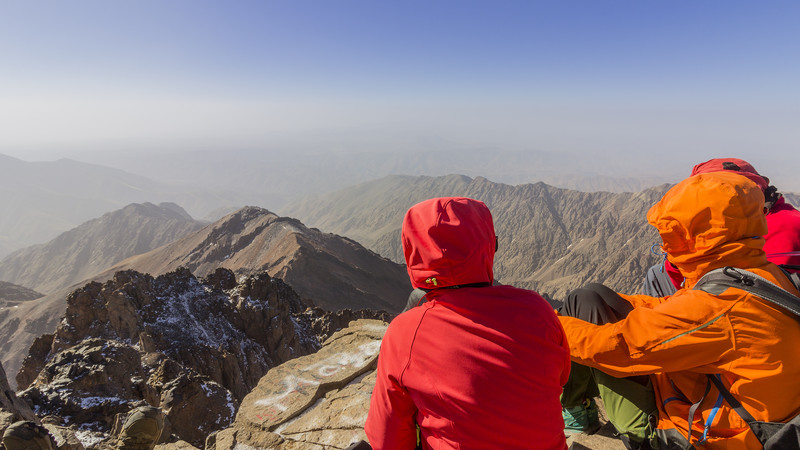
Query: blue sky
688,78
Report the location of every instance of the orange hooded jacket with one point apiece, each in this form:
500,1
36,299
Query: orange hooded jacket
706,222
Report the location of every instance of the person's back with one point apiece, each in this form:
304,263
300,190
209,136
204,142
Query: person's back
783,236
476,365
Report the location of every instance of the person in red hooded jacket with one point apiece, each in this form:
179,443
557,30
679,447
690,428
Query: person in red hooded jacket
475,365
782,241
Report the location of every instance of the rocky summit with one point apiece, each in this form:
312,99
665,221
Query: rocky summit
195,347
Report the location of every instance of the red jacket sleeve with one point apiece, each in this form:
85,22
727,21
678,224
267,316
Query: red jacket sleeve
391,420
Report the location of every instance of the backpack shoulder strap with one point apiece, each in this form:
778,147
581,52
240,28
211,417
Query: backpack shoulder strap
718,280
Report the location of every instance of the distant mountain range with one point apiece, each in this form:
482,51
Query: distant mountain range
96,245
283,174
331,271
44,199
550,239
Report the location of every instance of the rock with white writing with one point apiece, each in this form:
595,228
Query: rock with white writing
337,421
315,401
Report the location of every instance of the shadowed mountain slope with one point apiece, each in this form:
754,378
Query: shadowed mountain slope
332,271
95,245
550,239
12,294
16,293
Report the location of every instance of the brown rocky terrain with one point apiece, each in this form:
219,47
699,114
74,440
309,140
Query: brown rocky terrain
194,347
96,245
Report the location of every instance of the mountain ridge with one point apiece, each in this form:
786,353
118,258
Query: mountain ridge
95,245
550,239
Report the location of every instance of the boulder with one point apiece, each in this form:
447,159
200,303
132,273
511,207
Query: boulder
315,401
90,383
196,407
12,408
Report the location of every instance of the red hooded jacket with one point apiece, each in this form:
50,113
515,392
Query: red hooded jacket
476,367
783,235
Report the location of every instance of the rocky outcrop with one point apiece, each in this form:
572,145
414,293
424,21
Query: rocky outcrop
90,383
194,347
232,336
319,401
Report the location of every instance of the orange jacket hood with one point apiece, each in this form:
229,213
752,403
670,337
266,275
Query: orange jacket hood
711,220
449,241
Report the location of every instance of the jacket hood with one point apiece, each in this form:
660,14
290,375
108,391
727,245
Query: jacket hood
711,220
734,165
449,241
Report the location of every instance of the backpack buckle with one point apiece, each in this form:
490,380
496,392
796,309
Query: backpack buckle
738,276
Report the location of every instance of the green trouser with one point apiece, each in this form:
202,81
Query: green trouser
630,402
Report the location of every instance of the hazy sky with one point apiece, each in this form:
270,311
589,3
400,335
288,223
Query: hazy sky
683,78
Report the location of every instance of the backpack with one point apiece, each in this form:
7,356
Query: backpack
772,435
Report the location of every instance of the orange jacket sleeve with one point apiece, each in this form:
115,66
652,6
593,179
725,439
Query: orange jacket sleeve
643,301
689,330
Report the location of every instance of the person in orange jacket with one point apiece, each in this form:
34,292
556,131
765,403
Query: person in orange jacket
648,357
781,243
